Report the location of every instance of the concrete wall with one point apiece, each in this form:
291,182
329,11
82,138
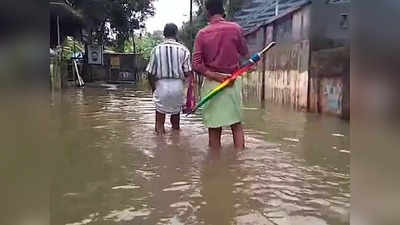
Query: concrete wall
253,82
286,75
309,69
287,65
330,82
96,73
331,96
328,29
330,58
301,24
282,75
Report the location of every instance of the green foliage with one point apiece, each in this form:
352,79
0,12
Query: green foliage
188,33
71,46
144,45
113,21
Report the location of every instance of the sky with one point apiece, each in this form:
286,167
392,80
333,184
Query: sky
169,11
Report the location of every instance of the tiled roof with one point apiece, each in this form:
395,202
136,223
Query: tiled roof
255,13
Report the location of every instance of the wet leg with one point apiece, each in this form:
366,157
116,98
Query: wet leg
214,137
160,120
175,120
238,135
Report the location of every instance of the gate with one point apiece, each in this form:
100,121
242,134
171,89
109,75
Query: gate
121,67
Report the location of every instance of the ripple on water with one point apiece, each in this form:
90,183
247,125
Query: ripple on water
126,214
148,175
178,188
91,218
254,218
299,220
183,204
267,177
124,187
291,139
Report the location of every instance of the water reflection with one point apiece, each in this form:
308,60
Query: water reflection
217,181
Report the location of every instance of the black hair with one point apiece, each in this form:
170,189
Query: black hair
170,30
215,7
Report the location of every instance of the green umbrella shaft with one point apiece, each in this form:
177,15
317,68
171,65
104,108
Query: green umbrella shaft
245,67
220,87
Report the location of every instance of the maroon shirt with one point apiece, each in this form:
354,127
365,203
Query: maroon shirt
218,47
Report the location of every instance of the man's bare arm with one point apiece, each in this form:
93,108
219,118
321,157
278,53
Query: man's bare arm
152,82
188,74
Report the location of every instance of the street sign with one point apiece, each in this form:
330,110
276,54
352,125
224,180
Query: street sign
95,54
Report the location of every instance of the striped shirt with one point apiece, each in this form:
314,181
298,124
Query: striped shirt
169,60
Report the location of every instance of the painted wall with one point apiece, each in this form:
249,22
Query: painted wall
331,96
253,82
309,69
282,76
286,75
330,81
287,65
301,24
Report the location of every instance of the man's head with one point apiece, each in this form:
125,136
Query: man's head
215,7
170,30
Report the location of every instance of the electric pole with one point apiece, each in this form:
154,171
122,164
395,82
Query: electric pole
191,21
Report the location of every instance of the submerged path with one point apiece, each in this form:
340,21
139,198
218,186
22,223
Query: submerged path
114,170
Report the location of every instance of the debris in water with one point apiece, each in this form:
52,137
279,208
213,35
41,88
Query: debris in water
70,194
178,188
129,186
291,139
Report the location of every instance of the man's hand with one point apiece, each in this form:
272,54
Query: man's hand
219,77
152,82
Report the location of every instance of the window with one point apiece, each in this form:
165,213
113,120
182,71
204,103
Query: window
337,1
344,21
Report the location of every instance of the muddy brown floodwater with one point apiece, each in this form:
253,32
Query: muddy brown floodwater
114,170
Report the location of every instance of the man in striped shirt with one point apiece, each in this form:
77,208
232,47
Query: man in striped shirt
168,67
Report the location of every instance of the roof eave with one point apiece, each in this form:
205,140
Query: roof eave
277,17
65,10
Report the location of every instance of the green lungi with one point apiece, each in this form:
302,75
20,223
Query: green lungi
225,108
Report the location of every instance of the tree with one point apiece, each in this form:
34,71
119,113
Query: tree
144,44
188,32
113,21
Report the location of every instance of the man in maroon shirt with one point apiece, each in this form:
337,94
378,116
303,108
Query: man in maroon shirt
217,52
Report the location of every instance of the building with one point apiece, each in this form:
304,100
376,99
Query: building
64,21
309,68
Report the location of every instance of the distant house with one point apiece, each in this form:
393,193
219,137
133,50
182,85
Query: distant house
64,21
309,69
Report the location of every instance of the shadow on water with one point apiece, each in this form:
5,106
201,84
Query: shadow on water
115,170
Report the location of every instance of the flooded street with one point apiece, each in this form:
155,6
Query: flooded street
115,170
